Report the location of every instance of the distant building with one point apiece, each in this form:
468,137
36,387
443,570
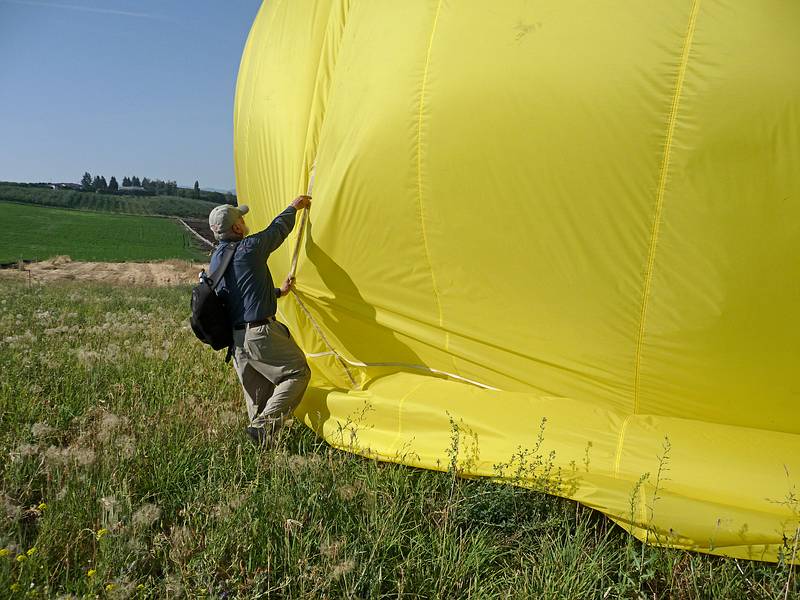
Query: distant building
134,190
65,186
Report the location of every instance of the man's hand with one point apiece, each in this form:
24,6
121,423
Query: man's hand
287,285
301,202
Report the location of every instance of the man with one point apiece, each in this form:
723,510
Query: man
271,367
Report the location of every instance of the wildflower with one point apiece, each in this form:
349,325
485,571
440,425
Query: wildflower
42,506
15,587
343,568
21,558
82,456
228,417
109,424
174,585
110,587
102,532
182,543
146,515
108,502
11,509
57,330
24,451
31,551
41,429
292,525
140,586
347,492
87,357
330,549
3,552
91,572
126,445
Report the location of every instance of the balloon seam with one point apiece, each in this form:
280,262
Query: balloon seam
662,179
620,442
419,167
400,411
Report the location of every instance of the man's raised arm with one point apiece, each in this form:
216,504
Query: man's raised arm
276,232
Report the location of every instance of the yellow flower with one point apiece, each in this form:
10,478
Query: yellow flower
14,587
91,572
140,586
21,558
3,552
101,533
31,551
110,587
42,506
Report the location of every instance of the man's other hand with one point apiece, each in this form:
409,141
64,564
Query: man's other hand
287,285
301,202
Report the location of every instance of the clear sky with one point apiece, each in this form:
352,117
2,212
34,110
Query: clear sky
120,87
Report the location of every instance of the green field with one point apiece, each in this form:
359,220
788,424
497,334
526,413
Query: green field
136,205
126,474
38,233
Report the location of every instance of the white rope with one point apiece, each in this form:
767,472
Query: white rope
405,365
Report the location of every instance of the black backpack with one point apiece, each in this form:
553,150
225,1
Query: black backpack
210,321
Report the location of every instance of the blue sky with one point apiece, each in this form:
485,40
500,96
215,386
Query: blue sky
120,88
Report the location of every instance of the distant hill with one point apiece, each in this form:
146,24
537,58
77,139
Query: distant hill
170,206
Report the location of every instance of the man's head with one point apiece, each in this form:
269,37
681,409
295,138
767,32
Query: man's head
227,223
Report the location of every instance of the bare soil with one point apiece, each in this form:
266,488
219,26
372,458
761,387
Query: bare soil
63,268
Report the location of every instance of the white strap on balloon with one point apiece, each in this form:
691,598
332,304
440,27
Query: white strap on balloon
303,220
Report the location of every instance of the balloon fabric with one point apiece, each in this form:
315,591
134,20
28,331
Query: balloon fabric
554,244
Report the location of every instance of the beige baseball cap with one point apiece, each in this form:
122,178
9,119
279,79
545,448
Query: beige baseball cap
223,217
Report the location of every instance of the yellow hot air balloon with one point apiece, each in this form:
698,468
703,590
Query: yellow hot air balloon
553,243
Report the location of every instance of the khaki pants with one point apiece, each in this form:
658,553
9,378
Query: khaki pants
273,372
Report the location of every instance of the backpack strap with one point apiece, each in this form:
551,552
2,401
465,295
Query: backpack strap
225,261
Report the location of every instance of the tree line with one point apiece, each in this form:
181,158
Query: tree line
157,187
151,187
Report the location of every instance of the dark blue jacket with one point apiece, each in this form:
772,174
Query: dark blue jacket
247,288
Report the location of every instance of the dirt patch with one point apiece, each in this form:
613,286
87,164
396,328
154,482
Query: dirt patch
62,268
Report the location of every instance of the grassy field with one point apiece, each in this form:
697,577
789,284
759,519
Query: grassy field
35,232
144,205
127,474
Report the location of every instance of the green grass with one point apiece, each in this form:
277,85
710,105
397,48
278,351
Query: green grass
35,232
125,465
138,205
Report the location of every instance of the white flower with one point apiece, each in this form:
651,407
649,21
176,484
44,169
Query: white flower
146,515
41,429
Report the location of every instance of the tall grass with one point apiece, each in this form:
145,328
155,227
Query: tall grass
128,475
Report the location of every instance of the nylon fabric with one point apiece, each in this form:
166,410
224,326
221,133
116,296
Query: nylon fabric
554,245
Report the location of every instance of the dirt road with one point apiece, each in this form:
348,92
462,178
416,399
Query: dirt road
62,268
